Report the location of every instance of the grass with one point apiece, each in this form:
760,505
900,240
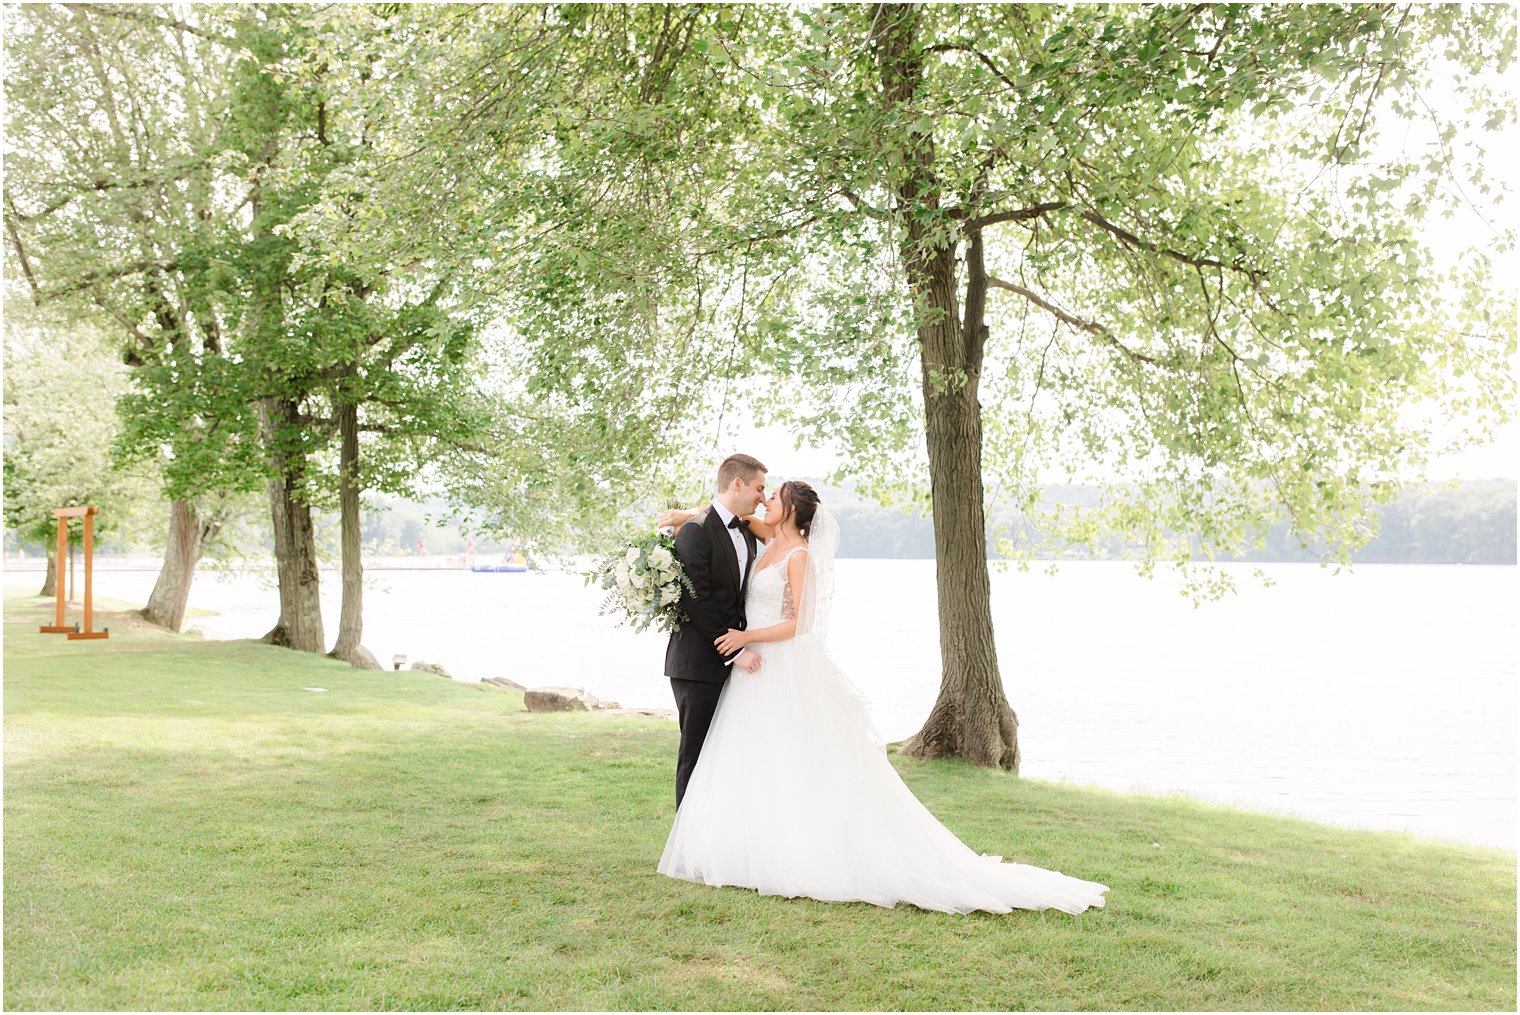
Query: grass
187,828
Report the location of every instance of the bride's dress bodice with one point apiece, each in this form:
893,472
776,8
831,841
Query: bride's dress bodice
769,600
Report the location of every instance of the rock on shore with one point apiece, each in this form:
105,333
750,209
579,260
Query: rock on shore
559,699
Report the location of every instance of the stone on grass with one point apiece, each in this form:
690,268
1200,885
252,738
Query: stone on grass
559,699
431,668
510,685
360,659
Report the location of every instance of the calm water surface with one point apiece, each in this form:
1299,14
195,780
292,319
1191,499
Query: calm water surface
1380,698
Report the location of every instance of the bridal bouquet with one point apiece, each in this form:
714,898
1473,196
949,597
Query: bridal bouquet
646,580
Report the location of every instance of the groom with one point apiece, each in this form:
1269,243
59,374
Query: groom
717,549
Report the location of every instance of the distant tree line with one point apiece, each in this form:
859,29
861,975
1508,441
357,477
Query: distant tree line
1471,524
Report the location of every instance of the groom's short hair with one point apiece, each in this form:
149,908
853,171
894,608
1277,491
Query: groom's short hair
738,467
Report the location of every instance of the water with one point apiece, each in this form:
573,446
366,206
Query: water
1383,698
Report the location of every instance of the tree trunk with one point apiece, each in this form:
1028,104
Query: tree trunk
351,616
50,579
295,544
189,535
971,718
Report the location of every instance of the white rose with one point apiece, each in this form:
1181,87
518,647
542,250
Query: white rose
638,580
632,556
669,595
659,558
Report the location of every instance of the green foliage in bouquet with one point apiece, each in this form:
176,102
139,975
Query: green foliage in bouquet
646,580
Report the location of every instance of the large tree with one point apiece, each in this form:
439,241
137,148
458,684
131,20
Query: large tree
1162,246
363,346
112,200
490,118
1233,333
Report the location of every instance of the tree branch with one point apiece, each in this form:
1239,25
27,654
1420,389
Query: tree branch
133,12
966,47
1011,215
89,280
974,326
26,264
132,357
861,206
1130,239
774,234
1076,322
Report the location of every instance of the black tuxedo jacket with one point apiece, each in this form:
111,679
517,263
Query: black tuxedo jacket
707,554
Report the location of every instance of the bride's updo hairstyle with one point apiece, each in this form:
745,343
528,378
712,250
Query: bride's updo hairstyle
801,503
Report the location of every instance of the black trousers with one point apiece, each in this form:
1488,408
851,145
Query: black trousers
696,701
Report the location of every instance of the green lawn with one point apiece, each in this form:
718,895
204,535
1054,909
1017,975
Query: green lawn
186,827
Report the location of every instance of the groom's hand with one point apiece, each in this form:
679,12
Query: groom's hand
731,641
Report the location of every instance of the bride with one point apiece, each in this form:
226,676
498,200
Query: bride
793,794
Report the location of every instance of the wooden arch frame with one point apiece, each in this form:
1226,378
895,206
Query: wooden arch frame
58,626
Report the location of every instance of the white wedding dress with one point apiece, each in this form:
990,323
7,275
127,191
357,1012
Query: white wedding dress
793,795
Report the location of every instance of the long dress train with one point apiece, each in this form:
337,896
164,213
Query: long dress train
793,795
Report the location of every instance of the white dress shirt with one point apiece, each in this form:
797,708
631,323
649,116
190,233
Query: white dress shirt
741,555
735,536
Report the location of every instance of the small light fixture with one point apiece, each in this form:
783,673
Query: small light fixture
398,660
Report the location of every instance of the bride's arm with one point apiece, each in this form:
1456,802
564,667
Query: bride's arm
674,518
763,532
796,575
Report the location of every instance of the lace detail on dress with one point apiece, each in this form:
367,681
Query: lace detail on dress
788,607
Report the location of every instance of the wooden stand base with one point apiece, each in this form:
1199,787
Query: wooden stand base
81,635
54,629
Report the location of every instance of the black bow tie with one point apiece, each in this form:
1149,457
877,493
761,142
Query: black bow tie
737,523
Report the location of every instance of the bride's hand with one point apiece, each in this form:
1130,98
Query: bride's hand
733,641
673,518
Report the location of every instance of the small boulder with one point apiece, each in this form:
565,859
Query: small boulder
360,658
559,699
432,668
608,705
510,685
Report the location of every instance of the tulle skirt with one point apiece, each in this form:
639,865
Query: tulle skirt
793,795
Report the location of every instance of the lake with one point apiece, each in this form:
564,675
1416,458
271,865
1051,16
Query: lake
1379,698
